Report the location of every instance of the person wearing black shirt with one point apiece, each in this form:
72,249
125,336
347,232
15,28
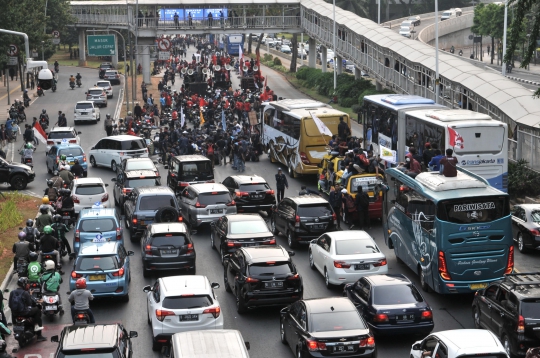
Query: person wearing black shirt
429,153
221,144
77,169
30,309
50,245
343,129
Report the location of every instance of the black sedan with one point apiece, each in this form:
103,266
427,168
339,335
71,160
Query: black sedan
391,304
526,226
251,193
233,231
326,327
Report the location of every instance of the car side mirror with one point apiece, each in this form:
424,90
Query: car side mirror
79,132
113,179
416,347
314,241
291,253
106,184
54,339
130,253
215,285
248,346
133,334
156,162
147,288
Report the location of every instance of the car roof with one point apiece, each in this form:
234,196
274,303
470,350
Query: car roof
92,336
209,187
329,305
191,158
243,217
91,102
349,235
177,285
91,180
249,179
143,173
478,340
103,81
61,129
523,285
154,189
160,228
97,213
141,159
265,253
122,137
98,248
95,88
308,199
388,280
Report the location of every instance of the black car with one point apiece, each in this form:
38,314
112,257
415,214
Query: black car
189,169
391,304
239,230
326,327
103,67
251,193
302,218
510,308
526,226
17,175
262,276
103,340
167,246
125,182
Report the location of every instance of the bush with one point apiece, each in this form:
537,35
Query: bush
267,57
325,84
269,63
356,108
277,61
348,102
281,68
522,180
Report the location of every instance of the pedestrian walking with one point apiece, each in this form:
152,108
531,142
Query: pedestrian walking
336,203
362,207
281,184
32,81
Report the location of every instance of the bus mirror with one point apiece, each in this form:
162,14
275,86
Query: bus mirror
393,201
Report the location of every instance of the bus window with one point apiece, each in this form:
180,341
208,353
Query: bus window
269,116
419,132
291,126
473,210
423,210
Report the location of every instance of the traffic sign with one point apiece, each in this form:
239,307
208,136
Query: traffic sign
164,55
13,50
164,44
56,33
101,45
56,41
12,61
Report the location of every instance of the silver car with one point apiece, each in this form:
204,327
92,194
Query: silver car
206,203
97,95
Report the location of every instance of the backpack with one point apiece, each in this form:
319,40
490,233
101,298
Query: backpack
16,303
52,193
349,203
364,162
210,149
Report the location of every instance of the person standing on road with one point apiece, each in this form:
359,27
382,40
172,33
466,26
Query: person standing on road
108,125
362,205
335,202
281,184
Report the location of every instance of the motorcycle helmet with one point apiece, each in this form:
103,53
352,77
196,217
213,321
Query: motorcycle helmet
45,200
57,218
48,229
28,146
29,223
108,116
22,235
80,283
63,157
23,282
129,113
66,192
33,256
43,111
43,209
67,167
49,265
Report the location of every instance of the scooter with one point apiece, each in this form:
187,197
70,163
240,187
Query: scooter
79,83
51,305
22,267
36,290
27,161
39,91
23,331
72,85
66,216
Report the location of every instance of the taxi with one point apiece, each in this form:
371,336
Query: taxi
373,183
104,263
71,151
331,160
97,223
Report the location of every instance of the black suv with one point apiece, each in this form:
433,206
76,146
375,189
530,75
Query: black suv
125,182
510,308
17,175
167,246
147,204
302,218
251,193
104,67
111,340
189,169
262,276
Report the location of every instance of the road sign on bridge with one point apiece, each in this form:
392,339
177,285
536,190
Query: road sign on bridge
101,45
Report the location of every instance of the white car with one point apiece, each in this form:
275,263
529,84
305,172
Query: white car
86,111
405,31
415,20
86,192
459,343
106,85
111,151
62,135
346,256
179,304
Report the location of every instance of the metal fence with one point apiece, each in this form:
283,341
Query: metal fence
527,146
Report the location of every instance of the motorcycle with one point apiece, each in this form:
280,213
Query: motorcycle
51,305
66,216
40,91
48,256
81,317
27,161
36,290
27,102
72,85
22,267
23,330
79,83
56,69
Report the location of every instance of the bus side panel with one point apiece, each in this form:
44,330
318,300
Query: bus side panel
282,147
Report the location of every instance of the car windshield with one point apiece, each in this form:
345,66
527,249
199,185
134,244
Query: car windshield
530,309
97,225
97,262
404,28
248,227
84,106
270,269
91,189
187,301
138,182
71,152
95,92
316,210
139,165
169,240
396,295
355,247
535,216
213,199
133,144
412,18
254,187
60,135
155,202
446,13
335,321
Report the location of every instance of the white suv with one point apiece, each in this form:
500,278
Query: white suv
86,192
110,151
179,304
86,111
62,135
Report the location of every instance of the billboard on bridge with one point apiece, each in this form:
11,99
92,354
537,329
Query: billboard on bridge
168,14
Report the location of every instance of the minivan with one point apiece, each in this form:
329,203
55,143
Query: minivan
212,343
189,169
448,14
110,151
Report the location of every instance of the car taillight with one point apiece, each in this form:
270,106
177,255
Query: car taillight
443,269
161,314
271,242
232,243
297,221
535,232
73,140
427,315
119,273
180,219
190,250
51,143
380,263
367,342
134,221
77,236
231,203
148,250
510,262
381,317
118,233
241,193
199,205
183,184
294,277
75,199
105,197
334,218
84,158
216,311
75,274
126,191
304,158
271,192
315,346
341,264
521,325
251,280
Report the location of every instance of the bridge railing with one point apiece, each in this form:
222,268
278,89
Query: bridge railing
100,19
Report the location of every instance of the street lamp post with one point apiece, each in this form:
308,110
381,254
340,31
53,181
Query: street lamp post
334,40
437,51
379,12
504,36
42,51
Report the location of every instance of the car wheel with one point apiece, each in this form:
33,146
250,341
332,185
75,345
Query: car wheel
311,262
520,244
125,298
93,162
282,331
240,303
49,170
226,281
327,279
423,282
18,182
291,241
476,317
273,227
506,344
212,244
114,167
115,201
156,347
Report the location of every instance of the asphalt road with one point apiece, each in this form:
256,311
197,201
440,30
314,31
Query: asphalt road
259,327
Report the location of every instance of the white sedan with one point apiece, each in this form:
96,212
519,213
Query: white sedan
179,304
346,256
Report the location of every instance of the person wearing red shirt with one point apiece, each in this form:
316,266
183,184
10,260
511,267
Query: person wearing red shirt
189,103
174,115
168,100
227,104
247,107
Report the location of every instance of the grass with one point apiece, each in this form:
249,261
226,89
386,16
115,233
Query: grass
62,56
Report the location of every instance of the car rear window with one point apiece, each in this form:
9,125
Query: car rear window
535,216
155,202
396,295
71,152
103,84
169,239
197,167
248,227
254,187
139,165
336,321
97,225
97,262
212,199
133,144
84,106
95,92
89,189
315,210
270,269
353,247
530,309
60,135
138,182
187,302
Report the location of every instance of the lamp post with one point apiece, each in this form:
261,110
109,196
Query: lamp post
334,41
379,12
504,37
42,51
437,51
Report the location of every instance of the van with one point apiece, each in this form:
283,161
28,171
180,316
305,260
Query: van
110,151
448,14
185,170
222,343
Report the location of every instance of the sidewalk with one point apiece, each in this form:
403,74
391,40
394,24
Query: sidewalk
14,93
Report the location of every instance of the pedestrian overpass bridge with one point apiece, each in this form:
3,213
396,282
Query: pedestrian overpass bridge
401,64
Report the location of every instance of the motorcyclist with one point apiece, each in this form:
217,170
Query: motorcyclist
78,77
22,249
71,81
60,230
28,135
50,245
46,203
80,299
67,202
62,161
34,268
26,98
56,66
77,169
22,304
44,119
32,234
65,174
51,280
51,191
43,219
27,152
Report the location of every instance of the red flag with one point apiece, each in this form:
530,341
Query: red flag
214,60
39,133
455,139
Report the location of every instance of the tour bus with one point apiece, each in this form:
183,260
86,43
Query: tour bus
291,136
455,232
479,142
233,43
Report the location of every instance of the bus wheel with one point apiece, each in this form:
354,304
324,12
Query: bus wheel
423,282
292,173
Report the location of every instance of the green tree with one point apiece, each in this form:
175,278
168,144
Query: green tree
489,21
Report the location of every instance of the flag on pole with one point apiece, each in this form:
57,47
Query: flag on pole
223,121
182,117
201,116
321,126
388,155
455,139
39,133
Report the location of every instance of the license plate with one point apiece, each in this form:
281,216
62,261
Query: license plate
478,286
51,308
141,222
97,277
216,211
18,328
361,267
273,284
347,348
257,196
169,252
405,317
71,163
189,317
318,226
66,217
84,113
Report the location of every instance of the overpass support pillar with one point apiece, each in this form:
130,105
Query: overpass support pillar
115,57
339,61
144,53
82,47
378,86
323,58
312,56
357,73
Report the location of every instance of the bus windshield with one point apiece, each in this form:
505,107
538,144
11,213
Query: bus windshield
473,210
486,139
